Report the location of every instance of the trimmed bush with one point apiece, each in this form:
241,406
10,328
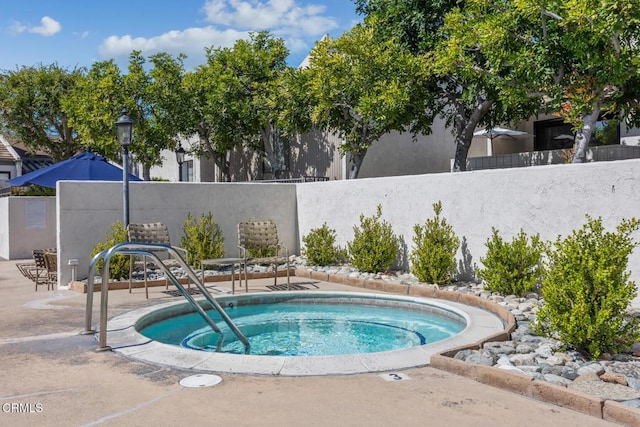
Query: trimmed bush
320,247
374,246
202,239
433,258
513,268
587,290
118,264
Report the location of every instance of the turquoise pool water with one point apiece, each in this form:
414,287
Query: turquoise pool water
311,329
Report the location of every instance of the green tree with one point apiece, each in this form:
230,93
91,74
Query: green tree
96,104
362,87
145,93
589,56
470,50
234,98
201,117
31,108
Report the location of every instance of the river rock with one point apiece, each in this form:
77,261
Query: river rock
614,378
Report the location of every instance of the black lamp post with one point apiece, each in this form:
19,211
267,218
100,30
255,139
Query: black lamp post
125,136
180,159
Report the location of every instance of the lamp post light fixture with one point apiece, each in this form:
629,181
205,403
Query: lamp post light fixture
180,159
125,137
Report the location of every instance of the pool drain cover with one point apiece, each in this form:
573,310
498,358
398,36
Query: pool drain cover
200,380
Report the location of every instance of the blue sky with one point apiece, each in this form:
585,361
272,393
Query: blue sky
80,32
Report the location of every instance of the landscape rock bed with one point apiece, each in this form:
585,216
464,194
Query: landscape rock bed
612,377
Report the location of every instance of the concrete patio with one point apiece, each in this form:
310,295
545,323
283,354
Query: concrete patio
53,376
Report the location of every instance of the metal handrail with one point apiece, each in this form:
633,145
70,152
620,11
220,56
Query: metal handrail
150,249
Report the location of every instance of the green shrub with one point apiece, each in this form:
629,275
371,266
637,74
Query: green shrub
33,190
513,267
320,247
587,290
118,264
435,246
202,239
374,246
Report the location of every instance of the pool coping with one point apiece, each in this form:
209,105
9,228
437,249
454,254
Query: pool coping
123,338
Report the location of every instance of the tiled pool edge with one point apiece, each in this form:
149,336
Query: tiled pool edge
524,385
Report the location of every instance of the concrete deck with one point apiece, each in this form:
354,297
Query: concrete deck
53,376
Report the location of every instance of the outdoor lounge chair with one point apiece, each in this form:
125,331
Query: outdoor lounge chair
51,261
259,245
37,271
155,232
33,272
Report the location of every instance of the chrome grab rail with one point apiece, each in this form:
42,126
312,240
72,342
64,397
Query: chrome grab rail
149,249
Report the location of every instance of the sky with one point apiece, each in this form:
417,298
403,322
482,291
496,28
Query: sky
77,33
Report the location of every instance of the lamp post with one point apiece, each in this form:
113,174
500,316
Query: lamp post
125,136
180,159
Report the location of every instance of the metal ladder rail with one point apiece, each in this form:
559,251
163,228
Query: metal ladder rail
104,293
207,295
129,248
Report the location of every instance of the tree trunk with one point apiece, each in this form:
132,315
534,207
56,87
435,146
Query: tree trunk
146,172
465,126
356,163
460,160
584,135
223,167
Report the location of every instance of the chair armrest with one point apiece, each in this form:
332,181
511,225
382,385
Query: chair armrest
242,252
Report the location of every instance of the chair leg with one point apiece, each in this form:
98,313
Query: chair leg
246,278
146,288
288,280
240,267
275,274
246,282
130,270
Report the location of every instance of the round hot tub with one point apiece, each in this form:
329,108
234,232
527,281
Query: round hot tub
300,333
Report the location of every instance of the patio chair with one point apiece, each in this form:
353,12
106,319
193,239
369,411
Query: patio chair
51,261
38,271
32,272
258,244
155,232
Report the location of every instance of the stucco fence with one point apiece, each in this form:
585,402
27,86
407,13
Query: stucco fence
26,223
550,200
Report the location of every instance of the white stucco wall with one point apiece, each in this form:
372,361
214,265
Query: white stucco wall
26,223
86,211
550,200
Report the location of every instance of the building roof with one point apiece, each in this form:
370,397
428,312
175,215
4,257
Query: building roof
11,151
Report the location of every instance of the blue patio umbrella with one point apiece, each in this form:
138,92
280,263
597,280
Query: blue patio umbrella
84,166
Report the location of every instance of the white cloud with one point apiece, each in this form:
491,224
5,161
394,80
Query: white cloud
283,17
48,28
299,25
191,41
17,28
